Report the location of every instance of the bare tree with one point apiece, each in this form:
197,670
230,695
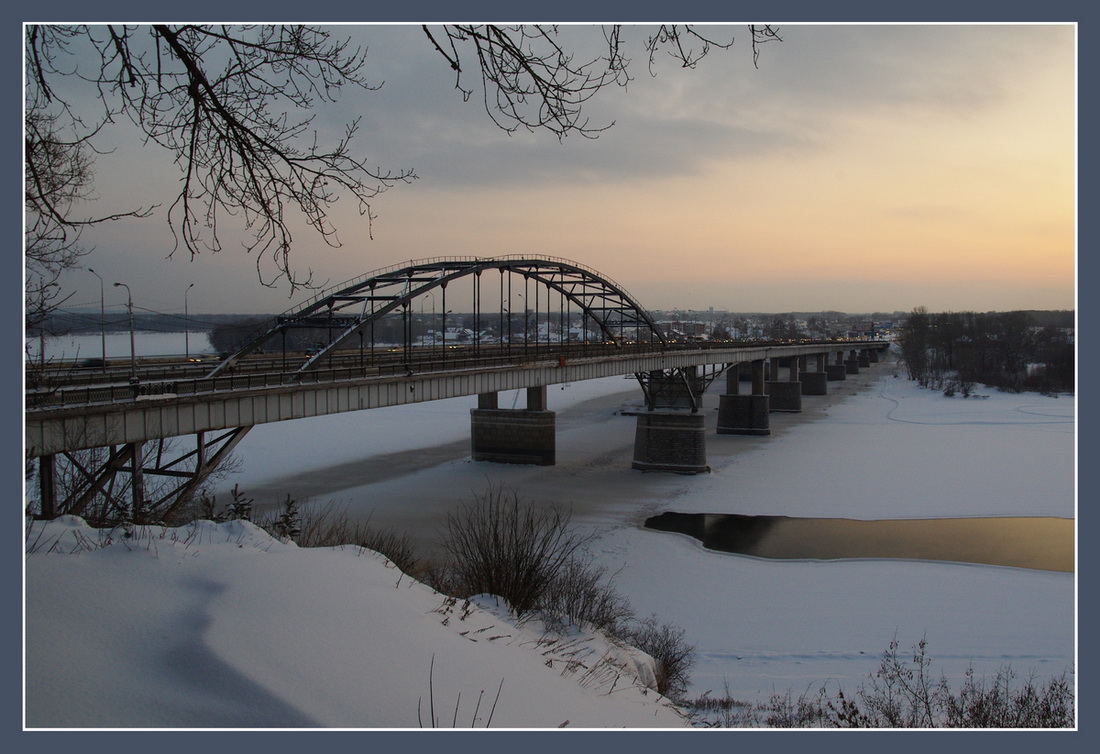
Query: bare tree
57,180
530,79
234,107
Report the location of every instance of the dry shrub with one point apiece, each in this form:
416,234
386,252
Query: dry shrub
903,693
514,551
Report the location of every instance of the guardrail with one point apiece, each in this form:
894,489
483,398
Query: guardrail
397,364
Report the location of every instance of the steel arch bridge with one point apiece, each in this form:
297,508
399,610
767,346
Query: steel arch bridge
354,307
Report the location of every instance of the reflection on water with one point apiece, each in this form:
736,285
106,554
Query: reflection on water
1039,543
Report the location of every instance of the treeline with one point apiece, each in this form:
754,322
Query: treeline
91,322
1011,351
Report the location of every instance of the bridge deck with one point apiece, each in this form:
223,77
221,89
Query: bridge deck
190,406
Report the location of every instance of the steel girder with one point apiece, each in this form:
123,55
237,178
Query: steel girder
92,480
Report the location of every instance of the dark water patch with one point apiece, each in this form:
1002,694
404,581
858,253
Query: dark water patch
1040,543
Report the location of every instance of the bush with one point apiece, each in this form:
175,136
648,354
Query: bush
532,560
498,546
673,656
903,693
581,594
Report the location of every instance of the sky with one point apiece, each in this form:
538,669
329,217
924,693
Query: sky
857,168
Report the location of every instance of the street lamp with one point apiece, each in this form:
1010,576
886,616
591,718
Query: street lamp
102,320
130,307
186,325
424,301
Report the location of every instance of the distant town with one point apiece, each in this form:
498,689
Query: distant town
679,324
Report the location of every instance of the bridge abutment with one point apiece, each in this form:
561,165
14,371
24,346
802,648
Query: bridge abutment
508,435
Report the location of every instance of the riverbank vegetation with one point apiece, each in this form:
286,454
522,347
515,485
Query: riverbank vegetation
1012,351
904,693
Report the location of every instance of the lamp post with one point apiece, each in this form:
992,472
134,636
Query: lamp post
186,325
102,320
130,307
424,301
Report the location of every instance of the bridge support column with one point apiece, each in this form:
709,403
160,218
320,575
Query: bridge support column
814,383
744,414
852,363
733,379
872,355
671,441
47,486
784,395
864,359
137,480
501,435
836,372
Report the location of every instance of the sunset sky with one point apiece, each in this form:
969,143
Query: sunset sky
858,168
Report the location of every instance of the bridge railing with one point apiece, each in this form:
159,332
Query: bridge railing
411,364
398,363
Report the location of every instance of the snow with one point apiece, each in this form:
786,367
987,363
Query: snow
221,626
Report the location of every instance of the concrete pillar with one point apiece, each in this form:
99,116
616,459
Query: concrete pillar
840,357
873,355
758,377
501,435
536,398
835,372
743,415
784,395
487,400
852,363
864,359
671,441
821,358
814,383
797,365
733,379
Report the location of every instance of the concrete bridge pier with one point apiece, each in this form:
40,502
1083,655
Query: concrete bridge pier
671,441
785,395
813,383
851,364
508,435
864,358
744,414
838,371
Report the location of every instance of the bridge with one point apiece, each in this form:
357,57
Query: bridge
99,432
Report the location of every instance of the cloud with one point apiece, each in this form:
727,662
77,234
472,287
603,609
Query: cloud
805,91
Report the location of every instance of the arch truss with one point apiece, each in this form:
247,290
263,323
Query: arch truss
517,296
